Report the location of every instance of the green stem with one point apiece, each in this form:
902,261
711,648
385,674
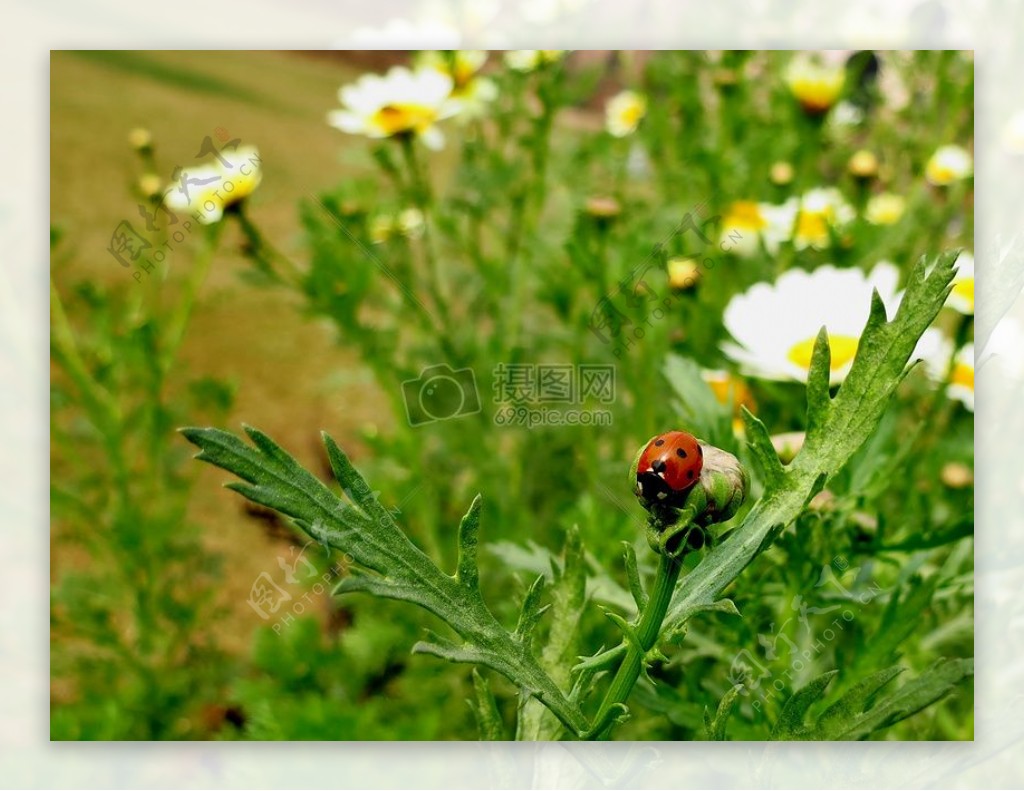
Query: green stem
422,198
179,319
647,634
265,254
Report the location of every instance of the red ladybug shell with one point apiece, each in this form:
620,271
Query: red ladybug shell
676,457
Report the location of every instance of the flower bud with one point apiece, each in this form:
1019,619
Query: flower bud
141,139
781,173
683,273
150,185
602,207
863,164
680,511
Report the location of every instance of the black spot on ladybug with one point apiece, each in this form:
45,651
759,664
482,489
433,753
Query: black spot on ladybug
680,453
658,443
689,474
658,465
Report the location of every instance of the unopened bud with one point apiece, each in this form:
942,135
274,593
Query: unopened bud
602,207
683,273
863,165
781,174
686,486
150,185
140,139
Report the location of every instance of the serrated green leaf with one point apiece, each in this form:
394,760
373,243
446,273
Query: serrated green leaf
469,531
846,723
397,569
568,597
485,711
882,355
636,587
531,611
760,444
853,703
819,401
790,725
714,727
902,616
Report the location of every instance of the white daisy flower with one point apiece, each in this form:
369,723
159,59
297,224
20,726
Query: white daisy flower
961,298
624,112
207,190
961,380
820,211
400,103
934,350
774,325
748,224
949,164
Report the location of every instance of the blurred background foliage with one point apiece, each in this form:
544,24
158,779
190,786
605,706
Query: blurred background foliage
153,565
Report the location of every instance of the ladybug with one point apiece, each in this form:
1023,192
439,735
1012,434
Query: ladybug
669,467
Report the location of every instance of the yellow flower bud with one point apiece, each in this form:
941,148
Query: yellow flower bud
683,273
602,207
781,174
140,139
863,165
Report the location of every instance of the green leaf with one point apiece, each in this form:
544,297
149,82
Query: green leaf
485,711
837,427
901,618
854,702
790,725
714,727
636,587
390,565
701,411
469,529
863,711
760,443
568,597
530,612
532,557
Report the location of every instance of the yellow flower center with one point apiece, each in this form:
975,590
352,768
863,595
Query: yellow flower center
844,348
941,174
463,72
812,226
963,375
631,114
817,92
745,214
964,290
393,119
